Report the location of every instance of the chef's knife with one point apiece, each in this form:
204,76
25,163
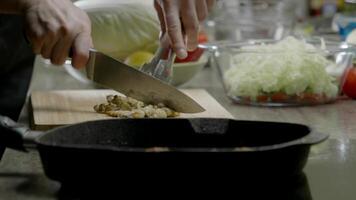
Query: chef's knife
131,82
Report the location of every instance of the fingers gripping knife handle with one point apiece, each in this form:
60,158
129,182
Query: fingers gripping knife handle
67,65
87,77
161,66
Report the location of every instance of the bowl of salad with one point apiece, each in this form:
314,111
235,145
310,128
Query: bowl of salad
287,72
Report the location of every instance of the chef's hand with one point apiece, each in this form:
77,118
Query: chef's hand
178,15
54,27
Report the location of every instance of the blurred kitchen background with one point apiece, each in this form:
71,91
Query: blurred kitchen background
274,19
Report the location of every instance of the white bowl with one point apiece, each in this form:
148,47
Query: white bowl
184,72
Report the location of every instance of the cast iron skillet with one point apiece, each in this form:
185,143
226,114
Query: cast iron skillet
166,149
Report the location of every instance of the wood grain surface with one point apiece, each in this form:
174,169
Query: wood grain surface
63,107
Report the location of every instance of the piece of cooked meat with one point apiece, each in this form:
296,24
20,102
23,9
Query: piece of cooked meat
127,107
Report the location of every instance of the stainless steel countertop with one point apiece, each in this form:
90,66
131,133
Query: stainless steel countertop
331,168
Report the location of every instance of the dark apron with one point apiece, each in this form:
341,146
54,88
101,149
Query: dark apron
16,63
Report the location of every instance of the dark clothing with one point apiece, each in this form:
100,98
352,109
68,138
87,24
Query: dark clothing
16,63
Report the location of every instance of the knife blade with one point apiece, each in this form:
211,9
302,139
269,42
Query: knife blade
131,82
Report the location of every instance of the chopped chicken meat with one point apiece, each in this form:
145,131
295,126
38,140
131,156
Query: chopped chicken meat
127,107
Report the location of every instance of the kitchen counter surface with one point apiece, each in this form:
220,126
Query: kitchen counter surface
330,171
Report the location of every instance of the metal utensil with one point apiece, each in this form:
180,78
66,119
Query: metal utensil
114,74
161,65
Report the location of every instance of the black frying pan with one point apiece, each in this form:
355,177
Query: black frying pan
166,149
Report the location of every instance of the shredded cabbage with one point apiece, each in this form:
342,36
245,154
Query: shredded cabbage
289,66
120,29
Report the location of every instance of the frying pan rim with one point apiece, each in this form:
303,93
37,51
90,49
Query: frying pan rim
300,141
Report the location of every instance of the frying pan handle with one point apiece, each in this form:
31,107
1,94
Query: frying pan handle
11,134
314,138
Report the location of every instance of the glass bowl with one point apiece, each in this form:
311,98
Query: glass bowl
272,84
239,20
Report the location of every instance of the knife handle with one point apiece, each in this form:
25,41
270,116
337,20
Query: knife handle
75,73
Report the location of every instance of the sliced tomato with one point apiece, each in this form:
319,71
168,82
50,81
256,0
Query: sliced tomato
311,98
245,99
262,98
279,97
349,87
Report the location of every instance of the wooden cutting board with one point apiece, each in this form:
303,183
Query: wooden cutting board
63,107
